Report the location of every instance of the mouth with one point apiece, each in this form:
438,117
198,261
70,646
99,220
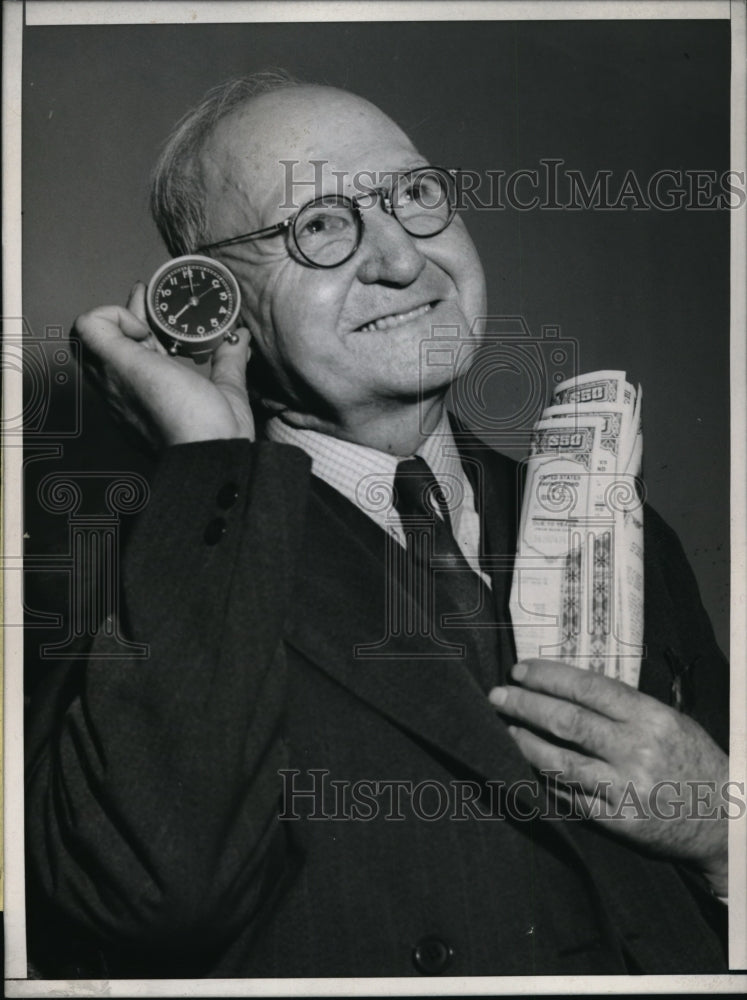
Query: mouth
392,320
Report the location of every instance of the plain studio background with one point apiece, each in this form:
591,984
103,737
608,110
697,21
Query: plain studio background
645,291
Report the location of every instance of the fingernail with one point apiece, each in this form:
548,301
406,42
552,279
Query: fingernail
513,731
498,696
519,671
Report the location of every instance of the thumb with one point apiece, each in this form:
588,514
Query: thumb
136,302
229,362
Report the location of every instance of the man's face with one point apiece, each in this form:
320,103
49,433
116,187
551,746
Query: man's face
316,328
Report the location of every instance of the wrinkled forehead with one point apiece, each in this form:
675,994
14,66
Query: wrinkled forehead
283,148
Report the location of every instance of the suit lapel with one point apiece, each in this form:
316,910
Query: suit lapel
340,610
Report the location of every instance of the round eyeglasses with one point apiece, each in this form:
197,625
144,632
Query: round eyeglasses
327,231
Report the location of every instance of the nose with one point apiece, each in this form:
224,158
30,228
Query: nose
387,254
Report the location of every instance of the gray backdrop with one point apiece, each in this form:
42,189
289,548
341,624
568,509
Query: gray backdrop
646,291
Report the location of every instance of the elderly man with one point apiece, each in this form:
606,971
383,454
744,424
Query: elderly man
217,809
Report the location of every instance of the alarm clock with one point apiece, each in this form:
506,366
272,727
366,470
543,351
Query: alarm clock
193,304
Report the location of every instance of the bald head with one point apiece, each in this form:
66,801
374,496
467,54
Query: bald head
280,149
281,114
176,193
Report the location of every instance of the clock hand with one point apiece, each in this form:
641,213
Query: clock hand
189,276
190,303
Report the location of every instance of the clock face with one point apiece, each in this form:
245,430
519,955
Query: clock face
193,301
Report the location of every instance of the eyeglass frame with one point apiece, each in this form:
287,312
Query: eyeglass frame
383,198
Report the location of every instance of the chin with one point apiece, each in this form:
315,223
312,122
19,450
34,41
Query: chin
425,385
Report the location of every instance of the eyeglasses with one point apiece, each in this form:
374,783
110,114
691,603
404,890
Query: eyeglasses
327,231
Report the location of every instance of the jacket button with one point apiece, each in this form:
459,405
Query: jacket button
432,956
215,530
227,496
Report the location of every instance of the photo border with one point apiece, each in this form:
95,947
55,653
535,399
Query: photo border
16,14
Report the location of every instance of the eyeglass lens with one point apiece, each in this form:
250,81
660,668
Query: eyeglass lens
422,202
327,230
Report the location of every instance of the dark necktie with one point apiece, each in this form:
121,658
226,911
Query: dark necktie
450,597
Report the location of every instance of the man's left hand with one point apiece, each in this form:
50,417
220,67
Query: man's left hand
657,776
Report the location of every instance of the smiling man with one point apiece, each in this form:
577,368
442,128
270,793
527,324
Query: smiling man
264,796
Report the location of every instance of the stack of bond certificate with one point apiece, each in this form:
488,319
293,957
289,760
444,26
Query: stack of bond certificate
577,592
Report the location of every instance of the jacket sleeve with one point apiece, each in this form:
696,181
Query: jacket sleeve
152,783
683,666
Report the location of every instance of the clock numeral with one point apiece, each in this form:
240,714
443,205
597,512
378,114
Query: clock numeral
224,295
165,291
185,327
200,329
172,319
223,309
214,322
164,307
173,280
215,283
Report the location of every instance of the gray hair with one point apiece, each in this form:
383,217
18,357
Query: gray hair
177,200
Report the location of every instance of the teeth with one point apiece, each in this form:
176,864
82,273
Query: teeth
395,319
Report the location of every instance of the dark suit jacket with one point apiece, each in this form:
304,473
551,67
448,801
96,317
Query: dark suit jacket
154,842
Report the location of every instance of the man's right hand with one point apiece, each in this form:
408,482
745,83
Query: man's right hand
165,401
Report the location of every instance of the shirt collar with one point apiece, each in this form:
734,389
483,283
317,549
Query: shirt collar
365,476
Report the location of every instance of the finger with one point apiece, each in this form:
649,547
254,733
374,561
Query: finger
136,302
593,777
605,695
583,804
558,718
229,363
107,323
136,305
